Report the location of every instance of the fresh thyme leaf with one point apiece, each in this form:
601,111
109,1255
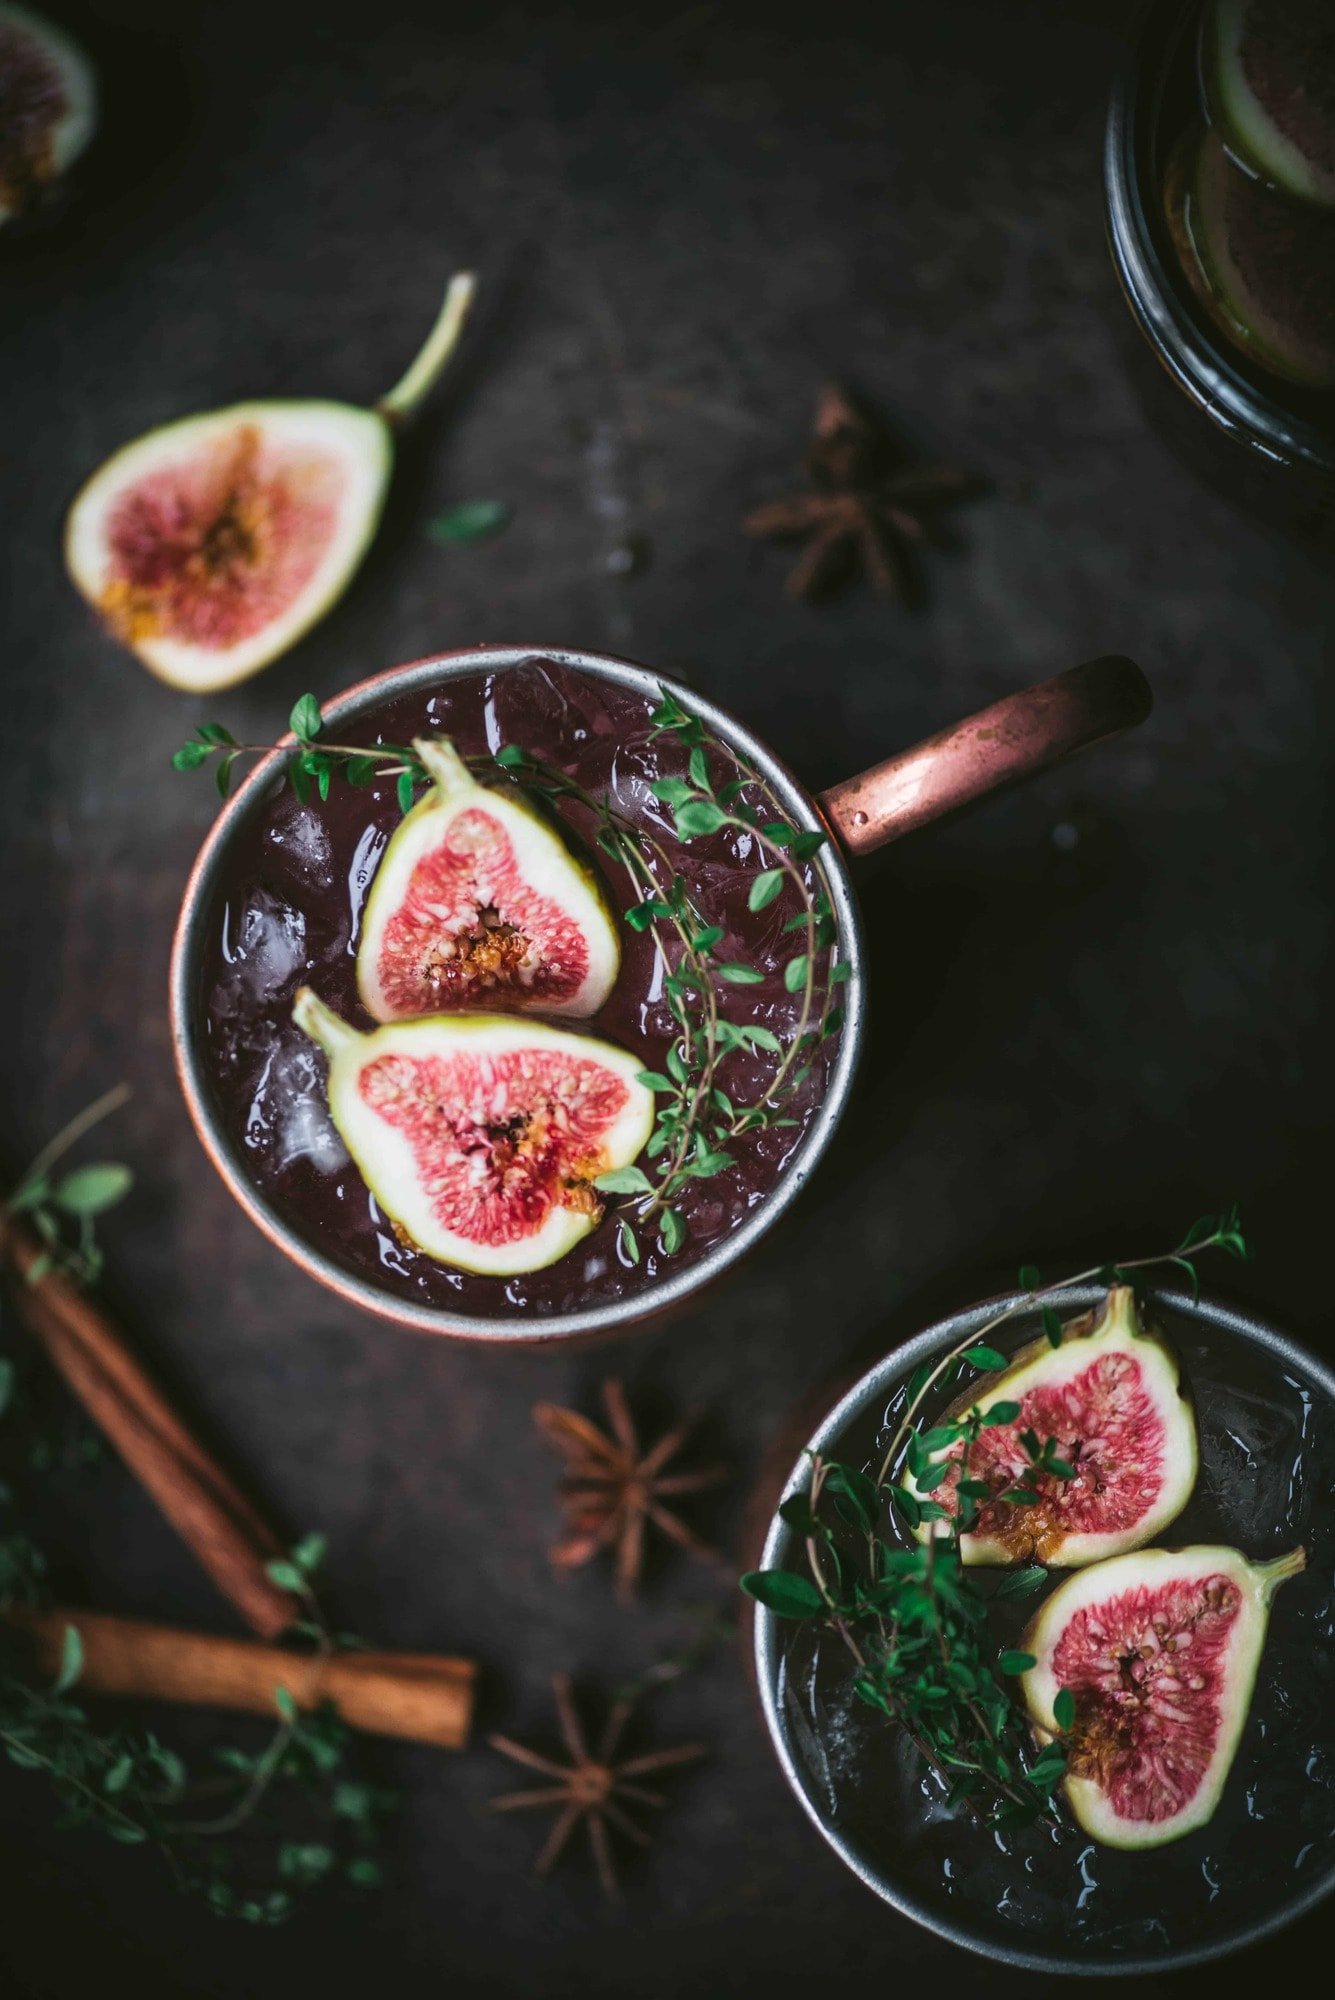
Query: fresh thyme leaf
786,1595
699,816
93,1189
629,1242
71,1662
1012,1662
767,885
470,521
1000,1413
1022,1582
741,975
1063,1709
983,1356
671,1230
624,1180
1052,1327
305,719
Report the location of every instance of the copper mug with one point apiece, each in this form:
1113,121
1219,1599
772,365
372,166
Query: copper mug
1013,738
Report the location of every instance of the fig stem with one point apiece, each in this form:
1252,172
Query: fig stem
404,400
1272,1574
444,766
321,1023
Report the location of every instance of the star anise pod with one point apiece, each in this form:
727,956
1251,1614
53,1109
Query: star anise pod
592,1787
613,1487
871,506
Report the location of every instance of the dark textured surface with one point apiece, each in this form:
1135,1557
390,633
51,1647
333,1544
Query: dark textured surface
682,229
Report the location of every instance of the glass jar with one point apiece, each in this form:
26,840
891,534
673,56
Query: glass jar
1268,442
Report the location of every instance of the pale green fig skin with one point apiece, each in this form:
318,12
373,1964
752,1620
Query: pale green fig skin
73,130
354,449
359,442
1259,263
384,1156
546,860
1256,1583
1253,131
1117,1328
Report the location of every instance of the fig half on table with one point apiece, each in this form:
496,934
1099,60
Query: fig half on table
1110,1398
48,107
212,545
481,1135
1157,1653
480,901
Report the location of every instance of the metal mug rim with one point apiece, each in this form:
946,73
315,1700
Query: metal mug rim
891,1369
527,1329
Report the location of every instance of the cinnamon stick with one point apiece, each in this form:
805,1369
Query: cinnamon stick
422,1697
208,1512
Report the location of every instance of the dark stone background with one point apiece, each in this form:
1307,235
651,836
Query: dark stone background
684,223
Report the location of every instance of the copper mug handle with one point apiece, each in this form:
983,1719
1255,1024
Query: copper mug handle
1013,738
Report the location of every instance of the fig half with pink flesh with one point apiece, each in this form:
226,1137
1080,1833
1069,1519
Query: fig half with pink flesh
212,545
481,1135
1158,1652
479,901
48,107
1111,1398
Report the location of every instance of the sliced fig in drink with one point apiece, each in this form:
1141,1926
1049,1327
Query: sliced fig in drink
48,106
1261,264
1158,1652
1107,1406
1268,67
211,545
479,901
481,1135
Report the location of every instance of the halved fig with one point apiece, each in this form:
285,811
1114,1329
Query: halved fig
211,545
1111,1398
480,902
480,1135
1261,264
1268,68
48,106
1159,1651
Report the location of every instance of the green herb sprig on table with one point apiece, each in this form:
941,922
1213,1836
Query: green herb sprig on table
912,1618
698,1121
62,1209
125,1783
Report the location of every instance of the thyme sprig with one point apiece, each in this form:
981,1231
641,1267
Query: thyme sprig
63,1209
698,1121
134,1789
913,1620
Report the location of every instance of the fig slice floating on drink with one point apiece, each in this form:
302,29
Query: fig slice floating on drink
211,545
1157,1653
1110,1400
480,902
481,1135
1269,73
1261,264
48,107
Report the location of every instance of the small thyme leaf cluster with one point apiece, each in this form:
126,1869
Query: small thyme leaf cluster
913,1619
697,1121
